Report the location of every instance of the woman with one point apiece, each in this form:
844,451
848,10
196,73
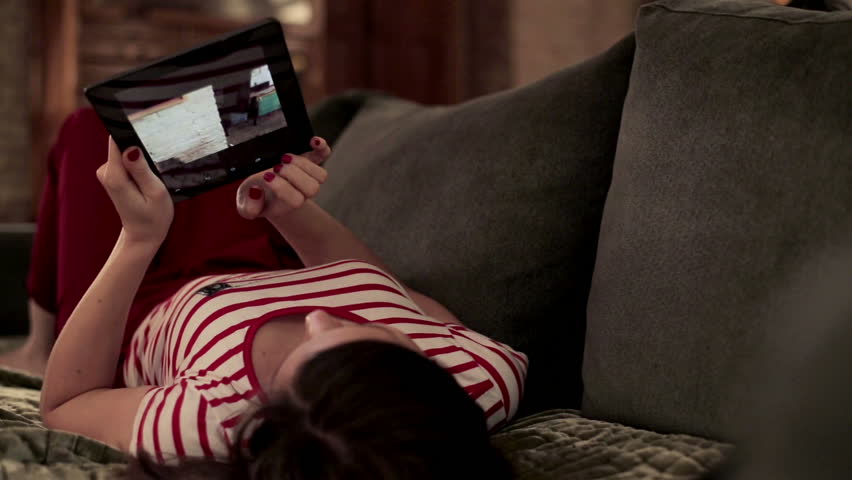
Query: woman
328,371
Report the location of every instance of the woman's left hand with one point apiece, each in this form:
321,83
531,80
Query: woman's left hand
140,197
285,187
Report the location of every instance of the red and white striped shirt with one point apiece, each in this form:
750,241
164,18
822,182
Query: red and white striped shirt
195,349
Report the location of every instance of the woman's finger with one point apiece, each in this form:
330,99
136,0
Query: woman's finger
284,191
308,185
115,177
250,199
294,180
320,151
317,172
147,182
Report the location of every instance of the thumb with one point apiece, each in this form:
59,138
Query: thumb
320,151
138,169
250,200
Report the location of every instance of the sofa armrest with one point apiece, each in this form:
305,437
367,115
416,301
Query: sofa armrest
15,244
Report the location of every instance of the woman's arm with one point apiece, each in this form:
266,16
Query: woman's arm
284,198
77,394
319,238
85,355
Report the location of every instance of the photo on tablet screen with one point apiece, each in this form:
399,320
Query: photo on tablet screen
183,133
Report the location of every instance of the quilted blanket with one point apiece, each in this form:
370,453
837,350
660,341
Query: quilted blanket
561,444
28,450
558,444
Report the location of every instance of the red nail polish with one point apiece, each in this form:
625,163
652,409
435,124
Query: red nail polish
269,176
316,142
287,158
277,168
133,155
255,193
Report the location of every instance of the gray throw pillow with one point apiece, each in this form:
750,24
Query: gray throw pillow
332,115
492,207
734,169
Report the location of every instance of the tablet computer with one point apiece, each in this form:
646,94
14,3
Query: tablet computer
211,115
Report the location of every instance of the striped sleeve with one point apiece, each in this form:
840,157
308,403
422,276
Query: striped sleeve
492,373
497,384
176,422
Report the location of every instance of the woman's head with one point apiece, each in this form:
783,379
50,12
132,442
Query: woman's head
371,410
324,331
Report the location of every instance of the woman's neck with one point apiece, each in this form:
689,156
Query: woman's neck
272,344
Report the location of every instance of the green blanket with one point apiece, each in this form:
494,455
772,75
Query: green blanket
561,444
558,444
28,450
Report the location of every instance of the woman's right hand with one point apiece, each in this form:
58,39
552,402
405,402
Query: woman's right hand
284,188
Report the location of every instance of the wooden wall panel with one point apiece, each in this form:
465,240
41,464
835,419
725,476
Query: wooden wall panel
548,35
55,92
415,50
346,55
445,51
488,46
15,200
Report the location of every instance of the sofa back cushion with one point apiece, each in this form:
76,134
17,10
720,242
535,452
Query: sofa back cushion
733,169
492,207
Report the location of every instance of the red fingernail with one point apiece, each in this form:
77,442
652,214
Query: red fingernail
255,193
133,155
277,168
287,158
269,176
316,142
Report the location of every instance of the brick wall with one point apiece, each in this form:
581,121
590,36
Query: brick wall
15,182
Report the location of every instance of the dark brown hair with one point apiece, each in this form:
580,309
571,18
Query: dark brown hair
363,410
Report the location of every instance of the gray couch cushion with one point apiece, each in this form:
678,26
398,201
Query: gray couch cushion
332,115
733,169
492,207
797,425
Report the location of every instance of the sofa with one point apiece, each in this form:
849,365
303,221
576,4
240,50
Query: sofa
665,229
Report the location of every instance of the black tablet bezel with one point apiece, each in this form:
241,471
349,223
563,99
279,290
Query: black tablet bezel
265,150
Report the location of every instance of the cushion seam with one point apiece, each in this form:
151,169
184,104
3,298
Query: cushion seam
753,17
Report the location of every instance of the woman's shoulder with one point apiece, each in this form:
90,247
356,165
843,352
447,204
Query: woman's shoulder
177,421
490,372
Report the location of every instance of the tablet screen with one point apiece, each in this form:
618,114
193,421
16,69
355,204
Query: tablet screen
212,115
